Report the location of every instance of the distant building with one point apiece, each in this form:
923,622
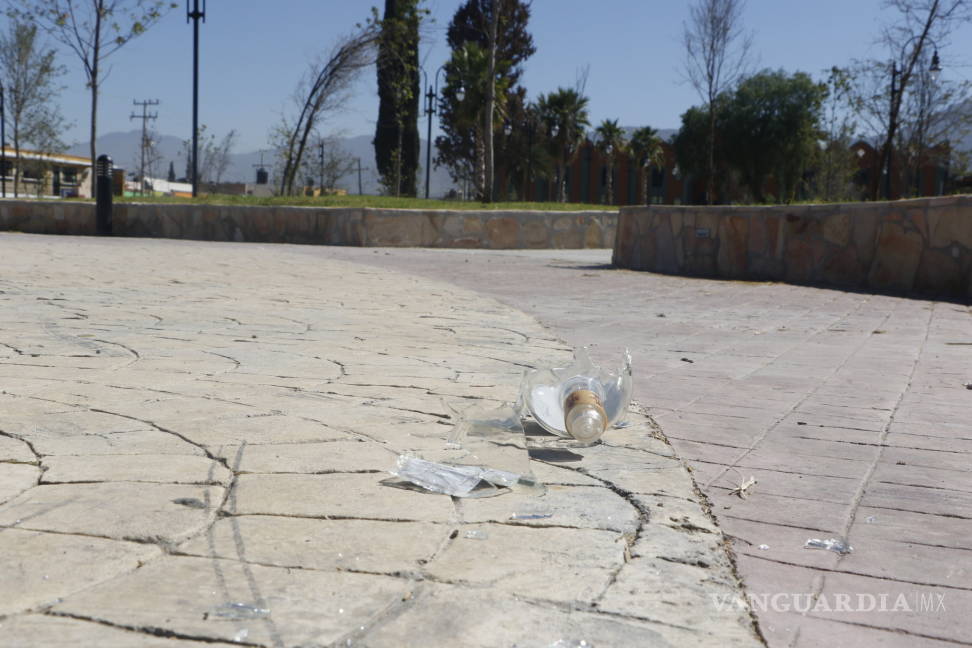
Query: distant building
160,187
931,179
586,179
166,188
47,174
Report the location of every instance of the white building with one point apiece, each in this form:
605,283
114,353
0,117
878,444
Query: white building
45,175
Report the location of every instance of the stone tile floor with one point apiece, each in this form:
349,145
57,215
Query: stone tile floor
193,438
850,409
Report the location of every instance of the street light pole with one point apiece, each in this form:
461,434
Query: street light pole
3,143
195,15
925,99
429,111
430,98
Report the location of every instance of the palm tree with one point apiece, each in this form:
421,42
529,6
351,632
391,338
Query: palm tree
564,115
610,142
646,147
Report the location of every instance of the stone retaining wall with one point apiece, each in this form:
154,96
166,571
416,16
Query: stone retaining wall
364,227
922,246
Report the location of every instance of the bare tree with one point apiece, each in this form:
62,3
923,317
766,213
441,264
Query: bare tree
899,102
93,30
933,114
837,162
921,25
28,72
330,164
214,157
717,55
325,88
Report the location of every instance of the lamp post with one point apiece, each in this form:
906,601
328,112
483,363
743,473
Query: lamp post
3,144
430,97
507,132
934,70
194,15
561,163
926,89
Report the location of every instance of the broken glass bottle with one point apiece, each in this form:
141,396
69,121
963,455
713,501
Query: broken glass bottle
580,401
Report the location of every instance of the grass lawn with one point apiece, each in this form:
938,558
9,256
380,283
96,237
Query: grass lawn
387,202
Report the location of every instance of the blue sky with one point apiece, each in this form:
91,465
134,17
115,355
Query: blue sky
254,52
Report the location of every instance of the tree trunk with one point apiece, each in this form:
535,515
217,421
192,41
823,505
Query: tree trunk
17,161
17,174
398,161
93,82
609,196
645,182
710,175
480,180
896,96
490,106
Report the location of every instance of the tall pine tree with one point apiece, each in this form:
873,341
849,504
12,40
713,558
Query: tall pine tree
396,133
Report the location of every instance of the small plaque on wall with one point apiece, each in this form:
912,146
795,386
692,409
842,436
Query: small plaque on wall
702,232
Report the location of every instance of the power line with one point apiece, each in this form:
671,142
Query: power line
145,117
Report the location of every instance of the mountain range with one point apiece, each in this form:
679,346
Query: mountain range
124,149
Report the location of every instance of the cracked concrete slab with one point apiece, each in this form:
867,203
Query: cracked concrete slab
390,547
15,478
558,564
50,631
193,597
159,468
40,569
486,619
124,510
849,409
227,414
335,496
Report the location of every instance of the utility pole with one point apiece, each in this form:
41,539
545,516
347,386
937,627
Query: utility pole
321,144
360,192
145,117
194,16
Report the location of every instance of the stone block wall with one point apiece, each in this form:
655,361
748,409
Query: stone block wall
921,246
329,226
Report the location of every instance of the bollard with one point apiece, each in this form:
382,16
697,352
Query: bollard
103,195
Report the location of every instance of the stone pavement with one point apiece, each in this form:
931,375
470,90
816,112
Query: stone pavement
850,409
193,439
